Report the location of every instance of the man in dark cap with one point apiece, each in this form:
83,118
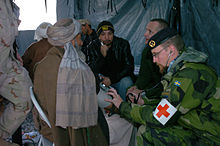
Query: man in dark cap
148,80
188,110
112,59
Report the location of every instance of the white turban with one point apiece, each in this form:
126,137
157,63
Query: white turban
77,27
41,31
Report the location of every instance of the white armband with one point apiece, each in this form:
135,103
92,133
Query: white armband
164,111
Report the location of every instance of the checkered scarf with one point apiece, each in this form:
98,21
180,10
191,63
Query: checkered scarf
76,92
76,101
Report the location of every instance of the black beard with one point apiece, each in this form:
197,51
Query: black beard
107,43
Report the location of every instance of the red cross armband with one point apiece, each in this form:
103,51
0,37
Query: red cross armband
164,111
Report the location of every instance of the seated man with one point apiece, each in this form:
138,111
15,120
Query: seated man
148,81
89,35
188,113
111,58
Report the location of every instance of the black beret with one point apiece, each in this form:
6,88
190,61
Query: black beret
160,37
104,25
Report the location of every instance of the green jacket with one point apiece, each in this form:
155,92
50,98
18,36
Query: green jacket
197,120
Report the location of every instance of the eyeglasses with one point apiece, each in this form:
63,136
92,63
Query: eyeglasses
156,54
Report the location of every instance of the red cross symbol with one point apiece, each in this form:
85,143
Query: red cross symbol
163,111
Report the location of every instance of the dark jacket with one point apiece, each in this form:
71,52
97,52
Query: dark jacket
149,76
88,42
118,63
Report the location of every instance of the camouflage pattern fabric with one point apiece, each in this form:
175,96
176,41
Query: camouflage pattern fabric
14,79
197,120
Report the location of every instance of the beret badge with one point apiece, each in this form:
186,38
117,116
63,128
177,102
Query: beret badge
152,43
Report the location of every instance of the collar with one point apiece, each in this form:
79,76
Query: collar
171,63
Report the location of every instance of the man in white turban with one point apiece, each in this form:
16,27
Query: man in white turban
37,51
65,87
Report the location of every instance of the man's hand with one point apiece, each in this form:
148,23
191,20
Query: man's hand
131,89
106,81
104,50
136,91
116,99
133,94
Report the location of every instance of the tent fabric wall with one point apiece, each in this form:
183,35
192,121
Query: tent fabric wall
24,40
201,28
129,17
199,25
199,21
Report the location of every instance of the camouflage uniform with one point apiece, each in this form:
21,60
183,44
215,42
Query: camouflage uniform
196,121
14,79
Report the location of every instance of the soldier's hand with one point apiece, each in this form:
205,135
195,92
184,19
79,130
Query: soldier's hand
134,97
116,99
130,90
136,91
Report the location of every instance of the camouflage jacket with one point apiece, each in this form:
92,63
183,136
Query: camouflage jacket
197,118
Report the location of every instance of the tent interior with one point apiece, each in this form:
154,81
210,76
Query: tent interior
196,21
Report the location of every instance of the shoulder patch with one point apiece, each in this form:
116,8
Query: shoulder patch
177,83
